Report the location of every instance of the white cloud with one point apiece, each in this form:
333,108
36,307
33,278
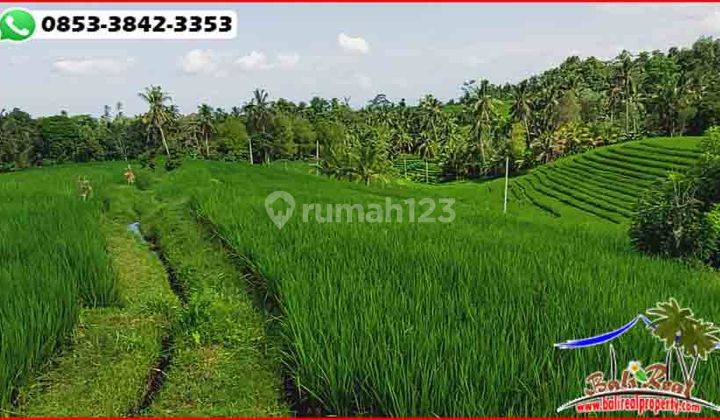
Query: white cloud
711,22
17,60
199,62
353,44
288,61
93,66
364,81
253,61
472,60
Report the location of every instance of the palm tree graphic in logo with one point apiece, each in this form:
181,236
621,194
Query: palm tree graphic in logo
683,335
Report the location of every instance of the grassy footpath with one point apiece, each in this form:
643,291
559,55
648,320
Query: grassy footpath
103,370
222,364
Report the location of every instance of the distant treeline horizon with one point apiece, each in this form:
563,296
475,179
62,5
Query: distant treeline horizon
580,104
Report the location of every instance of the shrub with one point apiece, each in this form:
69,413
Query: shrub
713,218
174,160
710,145
670,221
680,217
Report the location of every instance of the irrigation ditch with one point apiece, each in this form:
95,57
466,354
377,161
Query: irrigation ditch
158,372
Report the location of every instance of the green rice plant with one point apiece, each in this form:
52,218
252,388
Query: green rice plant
662,151
534,199
53,260
606,181
625,168
600,192
653,155
573,203
575,195
443,319
592,184
638,178
686,143
647,162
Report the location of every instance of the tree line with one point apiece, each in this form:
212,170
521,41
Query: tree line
581,104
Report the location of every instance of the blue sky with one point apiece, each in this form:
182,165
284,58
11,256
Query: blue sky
336,50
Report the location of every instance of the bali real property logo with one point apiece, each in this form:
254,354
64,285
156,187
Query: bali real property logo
656,387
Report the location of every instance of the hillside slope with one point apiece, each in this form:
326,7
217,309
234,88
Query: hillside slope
605,182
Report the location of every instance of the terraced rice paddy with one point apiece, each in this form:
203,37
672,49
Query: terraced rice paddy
606,182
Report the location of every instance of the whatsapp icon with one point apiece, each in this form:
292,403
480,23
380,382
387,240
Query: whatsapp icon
16,25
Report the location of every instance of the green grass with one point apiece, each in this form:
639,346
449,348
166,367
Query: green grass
224,364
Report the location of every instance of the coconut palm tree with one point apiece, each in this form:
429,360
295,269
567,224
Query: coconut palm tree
432,118
205,125
625,81
483,112
522,107
158,114
258,114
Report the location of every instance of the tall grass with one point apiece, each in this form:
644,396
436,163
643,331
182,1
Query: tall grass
436,319
53,259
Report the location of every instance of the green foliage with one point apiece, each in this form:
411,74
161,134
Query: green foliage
60,134
670,221
710,144
517,144
304,137
677,217
232,139
283,144
174,160
568,109
19,140
364,156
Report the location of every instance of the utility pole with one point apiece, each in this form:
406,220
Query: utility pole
317,156
250,147
507,179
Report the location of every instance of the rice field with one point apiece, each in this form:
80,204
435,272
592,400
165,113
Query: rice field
454,319
409,319
53,261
